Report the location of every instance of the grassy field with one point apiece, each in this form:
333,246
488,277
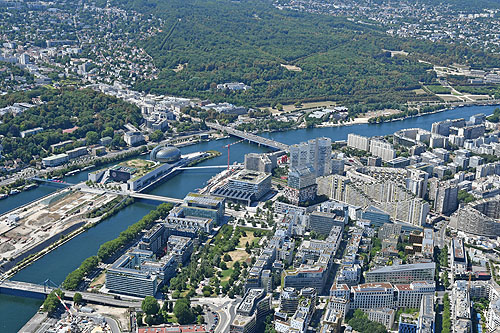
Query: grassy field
250,238
239,255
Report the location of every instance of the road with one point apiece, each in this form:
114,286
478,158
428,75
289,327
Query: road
441,239
87,159
224,307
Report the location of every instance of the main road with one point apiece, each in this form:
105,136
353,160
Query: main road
37,289
250,137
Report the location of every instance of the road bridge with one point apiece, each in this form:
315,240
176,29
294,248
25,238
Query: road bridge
26,289
250,137
211,167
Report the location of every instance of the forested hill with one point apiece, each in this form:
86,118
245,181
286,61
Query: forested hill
95,115
455,4
217,41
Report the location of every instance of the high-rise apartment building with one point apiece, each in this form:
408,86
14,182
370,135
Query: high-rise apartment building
316,153
358,141
446,201
417,182
382,149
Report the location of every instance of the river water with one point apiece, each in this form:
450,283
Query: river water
16,311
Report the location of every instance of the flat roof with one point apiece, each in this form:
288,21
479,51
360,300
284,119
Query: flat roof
407,267
250,176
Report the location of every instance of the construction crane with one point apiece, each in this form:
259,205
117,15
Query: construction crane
228,146
64,304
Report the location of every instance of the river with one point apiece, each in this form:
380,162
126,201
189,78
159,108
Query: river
16,311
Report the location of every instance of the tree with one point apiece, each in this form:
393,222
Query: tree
183,311
150,320
227,257
92,137
108,132
52,302
156,136
200,319
150,305
362,324
77,298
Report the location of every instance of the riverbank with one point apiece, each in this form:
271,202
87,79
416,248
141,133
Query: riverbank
64,236
367,120
15,311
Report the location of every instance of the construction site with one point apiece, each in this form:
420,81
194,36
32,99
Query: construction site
31,228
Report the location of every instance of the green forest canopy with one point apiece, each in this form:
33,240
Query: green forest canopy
90,111
223,41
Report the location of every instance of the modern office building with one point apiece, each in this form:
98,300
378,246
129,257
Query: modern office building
426,318
402,273
410,295
408,323
259,162
320,155
299,155
323,222
338,166
299,321
205,206
289,300
376,216
245,186
138,273
372,295
251,312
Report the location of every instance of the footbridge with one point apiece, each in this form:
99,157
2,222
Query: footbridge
51,181
153,197
33,290
250,137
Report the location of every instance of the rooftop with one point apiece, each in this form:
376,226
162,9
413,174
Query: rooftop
399,268
248,176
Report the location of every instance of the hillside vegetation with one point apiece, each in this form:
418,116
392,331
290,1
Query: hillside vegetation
224,41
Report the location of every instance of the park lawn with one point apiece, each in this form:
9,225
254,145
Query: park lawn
225,276
236,255
250,238
172,318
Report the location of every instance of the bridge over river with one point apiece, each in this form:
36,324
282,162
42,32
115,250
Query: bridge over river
25,289
250,137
